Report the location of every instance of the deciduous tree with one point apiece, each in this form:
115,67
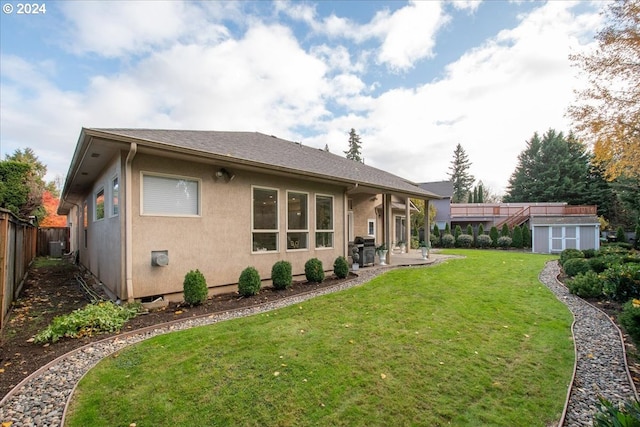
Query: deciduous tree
606,113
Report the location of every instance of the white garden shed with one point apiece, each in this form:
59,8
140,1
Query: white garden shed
553,234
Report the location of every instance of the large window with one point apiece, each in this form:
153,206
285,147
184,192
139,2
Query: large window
265,219
99,205
297,220
173,196
115,197
324,221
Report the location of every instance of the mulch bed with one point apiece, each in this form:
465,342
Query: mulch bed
54,291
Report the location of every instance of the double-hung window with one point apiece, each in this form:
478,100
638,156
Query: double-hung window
297,220
264,220
99,205
170,195
115,197
324,221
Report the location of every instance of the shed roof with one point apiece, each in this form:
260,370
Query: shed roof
565,220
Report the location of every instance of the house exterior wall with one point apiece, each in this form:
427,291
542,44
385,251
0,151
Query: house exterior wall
364,209
218,242
100,251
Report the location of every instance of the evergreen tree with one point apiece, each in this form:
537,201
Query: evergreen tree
447,229
326,148
459,175
493,233
505,231
457,232
355,145
480,229
553,168
526,236
22,184
517,237
475,194
470,199
480,193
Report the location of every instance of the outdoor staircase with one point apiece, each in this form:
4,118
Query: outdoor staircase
518,218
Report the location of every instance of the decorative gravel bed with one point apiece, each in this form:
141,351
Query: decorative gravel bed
601,367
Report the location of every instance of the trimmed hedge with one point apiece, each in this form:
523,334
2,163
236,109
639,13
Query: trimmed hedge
465,241
341,267
569,254
630,319
249,282
281,275
587,285
574,266
195,288
313,270
483,241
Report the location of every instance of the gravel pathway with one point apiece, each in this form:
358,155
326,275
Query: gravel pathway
601,367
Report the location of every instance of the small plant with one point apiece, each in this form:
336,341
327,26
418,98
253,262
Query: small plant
570,253
601,263
480,229
630,319
423,244
626,414
526,236
517,237
504,242
493,233
249,282
587,285
435,240
504,232
469,230
436,234
574,266
194,288
448,241
483,241
457,232
341,267
281,275
589,253
313,270
465,241
620,236
97,318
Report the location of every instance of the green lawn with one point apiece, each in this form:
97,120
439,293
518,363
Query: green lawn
474,341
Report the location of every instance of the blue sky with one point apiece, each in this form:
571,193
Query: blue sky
413,78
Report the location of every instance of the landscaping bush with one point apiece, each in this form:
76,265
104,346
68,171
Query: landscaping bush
587,285
526,236
517,237
615,249
589,253
249,282
464,241
436,234
483,241
630,319
493,233
448,241
97,318
480,230
622,282
574,266
601,263
620,236
435,240
281,274
504,232
194,288
636,242
313,270
569,254
469,230
341,267
626,414
504,242
457,232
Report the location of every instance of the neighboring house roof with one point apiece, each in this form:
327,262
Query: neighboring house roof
249,149
565,220
441,188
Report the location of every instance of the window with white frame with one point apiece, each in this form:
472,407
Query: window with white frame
371,227
85,222
170,195
297,220
264,220
99,205
324,221
115,196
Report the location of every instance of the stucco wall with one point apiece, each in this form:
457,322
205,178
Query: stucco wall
219,241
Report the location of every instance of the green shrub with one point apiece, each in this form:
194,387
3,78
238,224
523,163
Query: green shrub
480,230
504,232
313,270
448,241
97,318
526,236
249,282
504,242
622,282
493,233
589,253
620,236
435,240
195,288
615,248
483,241
626,414
437,235
457,232
600,263
636,242
574,266
587,285
464,241
341,267
517,237
630,319
447,228
469,230
569,254
281,275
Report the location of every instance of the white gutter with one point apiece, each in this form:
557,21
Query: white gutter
128,225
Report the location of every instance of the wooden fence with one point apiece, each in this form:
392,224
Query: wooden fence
17,250
47,235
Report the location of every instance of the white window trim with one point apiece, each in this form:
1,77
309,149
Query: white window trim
95,204
171,176
369,222
261,230
111,204
296,230
563,239
333,221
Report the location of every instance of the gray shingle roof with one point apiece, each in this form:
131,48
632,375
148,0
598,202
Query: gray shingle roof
441,188
270,152
565,220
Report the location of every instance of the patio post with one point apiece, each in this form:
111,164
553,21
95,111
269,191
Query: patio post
427,227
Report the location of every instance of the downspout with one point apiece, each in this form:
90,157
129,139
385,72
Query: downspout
128,225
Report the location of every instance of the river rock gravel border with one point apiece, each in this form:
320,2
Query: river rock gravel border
601,369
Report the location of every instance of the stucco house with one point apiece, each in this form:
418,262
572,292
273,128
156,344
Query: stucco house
146,206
